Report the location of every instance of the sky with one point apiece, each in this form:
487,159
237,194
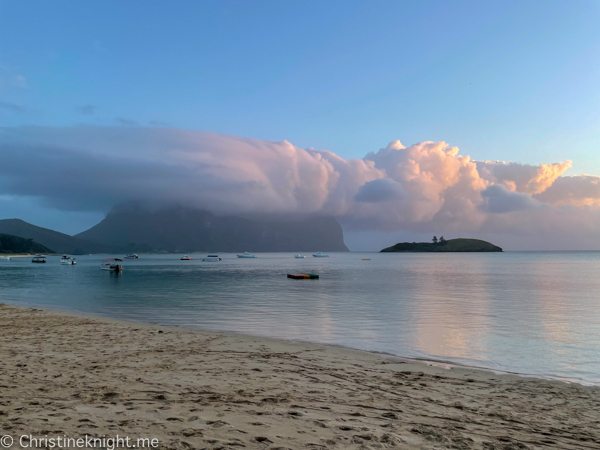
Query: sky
330,83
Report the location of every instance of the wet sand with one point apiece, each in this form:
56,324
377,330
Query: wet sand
72,375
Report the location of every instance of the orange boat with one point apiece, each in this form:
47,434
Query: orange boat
303,276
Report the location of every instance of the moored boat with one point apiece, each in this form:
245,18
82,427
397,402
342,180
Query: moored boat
299,256
320,255
246,255
38,259
112,265
5,258
186,258
211,258
131,256
303,276
67,260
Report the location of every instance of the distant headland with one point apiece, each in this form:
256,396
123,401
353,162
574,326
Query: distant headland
15,244
443,245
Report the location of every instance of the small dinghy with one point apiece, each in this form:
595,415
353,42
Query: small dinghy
246,255
303,276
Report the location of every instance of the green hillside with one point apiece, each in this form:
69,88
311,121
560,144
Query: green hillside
451,245
16,244
60,242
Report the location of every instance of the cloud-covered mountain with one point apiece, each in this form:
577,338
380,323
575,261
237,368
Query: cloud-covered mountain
176,229
426,187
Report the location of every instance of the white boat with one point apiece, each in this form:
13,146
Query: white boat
211,258
299,256
246,255
186,258
38,259
131,256
112,265
320,255
67,260
4,258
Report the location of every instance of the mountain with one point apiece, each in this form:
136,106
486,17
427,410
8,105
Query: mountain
59,242
16,244
451,245
181,230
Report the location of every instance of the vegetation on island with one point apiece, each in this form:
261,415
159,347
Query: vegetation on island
443,245
14,244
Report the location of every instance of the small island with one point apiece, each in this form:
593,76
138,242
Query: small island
443,245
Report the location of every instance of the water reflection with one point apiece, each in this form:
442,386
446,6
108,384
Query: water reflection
452,314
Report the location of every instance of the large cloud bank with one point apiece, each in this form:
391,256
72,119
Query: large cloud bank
426,187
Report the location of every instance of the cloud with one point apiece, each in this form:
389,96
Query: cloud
87,109
112,165
441,186
379,190
522,177
421,188
13,107
498,199
583,190
126,122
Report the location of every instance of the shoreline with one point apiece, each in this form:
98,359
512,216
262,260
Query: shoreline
445,364
67,373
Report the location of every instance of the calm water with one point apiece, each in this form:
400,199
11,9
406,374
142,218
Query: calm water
534,313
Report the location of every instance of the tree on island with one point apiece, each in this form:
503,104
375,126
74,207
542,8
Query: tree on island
442,240
435,240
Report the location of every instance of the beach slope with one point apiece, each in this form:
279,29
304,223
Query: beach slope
70,375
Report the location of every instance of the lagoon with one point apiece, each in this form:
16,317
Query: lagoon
533,313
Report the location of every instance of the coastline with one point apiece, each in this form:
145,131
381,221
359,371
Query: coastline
442,363
74,374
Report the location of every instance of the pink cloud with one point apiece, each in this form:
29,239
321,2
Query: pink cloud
423,187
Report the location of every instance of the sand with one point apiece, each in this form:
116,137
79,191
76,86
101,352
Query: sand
72,375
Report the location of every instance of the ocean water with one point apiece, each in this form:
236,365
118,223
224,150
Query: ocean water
534,313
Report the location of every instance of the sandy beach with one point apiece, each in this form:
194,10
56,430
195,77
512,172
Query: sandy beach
72,375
